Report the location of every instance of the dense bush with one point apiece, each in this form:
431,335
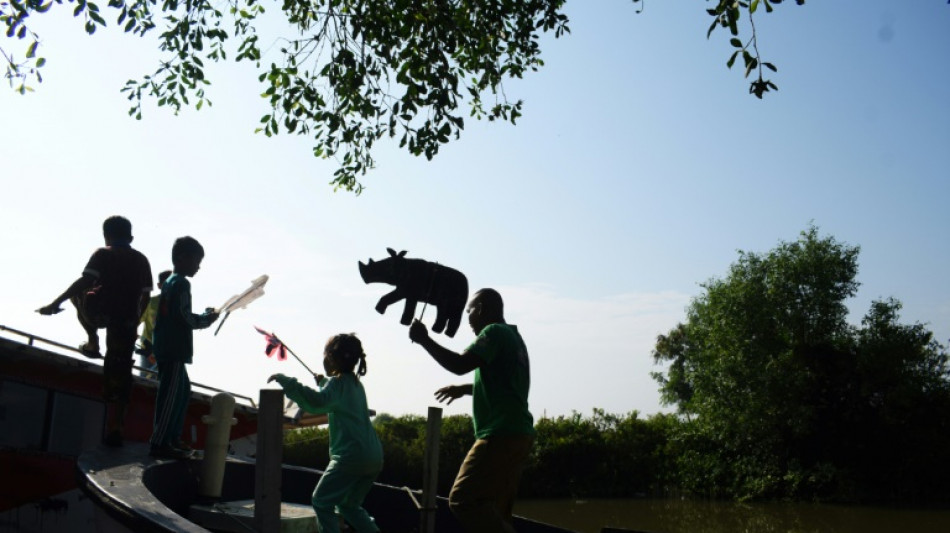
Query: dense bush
621,456
602,455
784,399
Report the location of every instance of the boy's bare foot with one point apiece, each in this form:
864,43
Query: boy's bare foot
90,350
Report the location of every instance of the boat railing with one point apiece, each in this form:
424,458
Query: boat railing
32,339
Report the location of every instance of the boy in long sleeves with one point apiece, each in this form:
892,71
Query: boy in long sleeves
173,346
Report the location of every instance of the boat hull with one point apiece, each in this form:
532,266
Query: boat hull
146,495
51,411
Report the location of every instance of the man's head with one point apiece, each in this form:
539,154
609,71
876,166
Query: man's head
187,254
117,229
484,309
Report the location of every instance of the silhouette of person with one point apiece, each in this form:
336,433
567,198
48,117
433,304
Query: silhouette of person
111,293
356,455
173,343
484,492
146,357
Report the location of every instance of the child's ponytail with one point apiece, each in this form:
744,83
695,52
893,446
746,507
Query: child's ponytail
361,369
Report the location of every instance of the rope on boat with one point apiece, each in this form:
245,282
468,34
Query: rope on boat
223,509
412,496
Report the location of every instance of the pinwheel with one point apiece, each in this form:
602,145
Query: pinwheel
275,346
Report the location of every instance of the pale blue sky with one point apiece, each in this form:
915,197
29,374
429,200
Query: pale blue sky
639,169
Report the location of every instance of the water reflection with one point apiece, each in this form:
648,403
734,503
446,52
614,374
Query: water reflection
688,516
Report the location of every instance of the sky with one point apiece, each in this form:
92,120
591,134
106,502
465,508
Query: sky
640,168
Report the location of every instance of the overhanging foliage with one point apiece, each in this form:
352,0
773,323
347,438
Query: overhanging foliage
351,72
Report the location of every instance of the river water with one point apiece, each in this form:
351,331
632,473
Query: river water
691,516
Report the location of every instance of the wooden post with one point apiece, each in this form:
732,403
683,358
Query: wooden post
430,471
218,435
269,457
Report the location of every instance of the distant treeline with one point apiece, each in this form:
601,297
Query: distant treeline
622,456
777,396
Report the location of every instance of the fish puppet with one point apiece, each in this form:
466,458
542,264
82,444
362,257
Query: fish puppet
418,280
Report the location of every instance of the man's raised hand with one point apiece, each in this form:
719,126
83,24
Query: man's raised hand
418,332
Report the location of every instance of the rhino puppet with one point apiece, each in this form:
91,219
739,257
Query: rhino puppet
418,280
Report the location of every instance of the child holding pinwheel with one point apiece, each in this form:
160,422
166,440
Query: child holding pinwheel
356,455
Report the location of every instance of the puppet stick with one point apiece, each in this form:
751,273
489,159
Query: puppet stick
435,269
226,315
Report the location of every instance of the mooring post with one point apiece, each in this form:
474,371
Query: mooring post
218,436
269,457
430,471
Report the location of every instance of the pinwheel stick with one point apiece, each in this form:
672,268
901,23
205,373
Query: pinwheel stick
275,344
299,360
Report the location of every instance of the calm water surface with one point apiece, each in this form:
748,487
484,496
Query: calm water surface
688,516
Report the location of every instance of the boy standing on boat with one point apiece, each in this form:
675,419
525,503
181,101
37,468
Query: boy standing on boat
111,293
484,492
356,455
173,346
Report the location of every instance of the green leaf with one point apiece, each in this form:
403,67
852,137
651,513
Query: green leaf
732,59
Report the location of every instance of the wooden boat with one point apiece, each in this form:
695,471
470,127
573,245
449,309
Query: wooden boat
51,411
58,477
133,492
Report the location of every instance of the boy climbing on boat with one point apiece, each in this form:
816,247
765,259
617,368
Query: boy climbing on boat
173,346
356,455
111,293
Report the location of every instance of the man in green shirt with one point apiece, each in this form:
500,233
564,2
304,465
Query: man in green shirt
484,491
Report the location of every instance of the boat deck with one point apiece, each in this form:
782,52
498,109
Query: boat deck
114,478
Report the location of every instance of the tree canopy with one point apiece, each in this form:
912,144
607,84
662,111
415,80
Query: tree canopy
353,71
784,398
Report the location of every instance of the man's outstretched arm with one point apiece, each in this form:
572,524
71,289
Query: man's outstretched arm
457,364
